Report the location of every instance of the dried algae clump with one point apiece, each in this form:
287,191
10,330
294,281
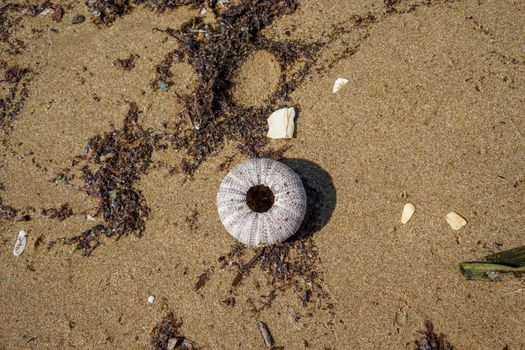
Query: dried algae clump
116,160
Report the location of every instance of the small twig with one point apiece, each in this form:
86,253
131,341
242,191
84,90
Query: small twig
265,333
246,267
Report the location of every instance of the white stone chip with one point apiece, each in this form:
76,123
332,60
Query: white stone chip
408,210
338,84
281,123
20,244
455,220
151,299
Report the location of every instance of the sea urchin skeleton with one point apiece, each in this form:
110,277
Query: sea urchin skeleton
261,202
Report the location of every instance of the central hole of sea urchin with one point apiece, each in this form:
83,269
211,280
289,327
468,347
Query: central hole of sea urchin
260,198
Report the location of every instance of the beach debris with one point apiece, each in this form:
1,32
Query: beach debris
20,244
58,13
203,278
166,335
126,63
121,157
455,220
90,218
172,343
291,266
163,86
14,92
338,84
492,267
485,271
281,123
203,11
431,340
60,214
408,210
46,11
25,217
261,202
7,212
216,62
265,333
151,299
246,267
78,19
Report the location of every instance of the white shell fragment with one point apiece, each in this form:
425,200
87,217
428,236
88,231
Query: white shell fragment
46,11
338,84
408,210
455,220
261,202
20,244
151,299
281,123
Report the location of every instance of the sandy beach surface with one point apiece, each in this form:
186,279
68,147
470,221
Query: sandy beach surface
119,123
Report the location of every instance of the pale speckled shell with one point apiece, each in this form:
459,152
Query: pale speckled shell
277,224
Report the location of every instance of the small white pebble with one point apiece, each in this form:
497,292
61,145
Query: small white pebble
20,244
408,210
203,11
151,299
90,218
455,220
281,123
338,84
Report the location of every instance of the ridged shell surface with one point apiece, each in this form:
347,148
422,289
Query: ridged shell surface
277,224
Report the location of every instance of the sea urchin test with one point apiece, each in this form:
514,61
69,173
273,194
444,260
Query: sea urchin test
261,202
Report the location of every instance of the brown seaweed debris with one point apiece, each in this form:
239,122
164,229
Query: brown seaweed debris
10,16
13,97
60,214
432,340
216,51
7,212
166,335
203,278
126,63
116,160
107,11
289,265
